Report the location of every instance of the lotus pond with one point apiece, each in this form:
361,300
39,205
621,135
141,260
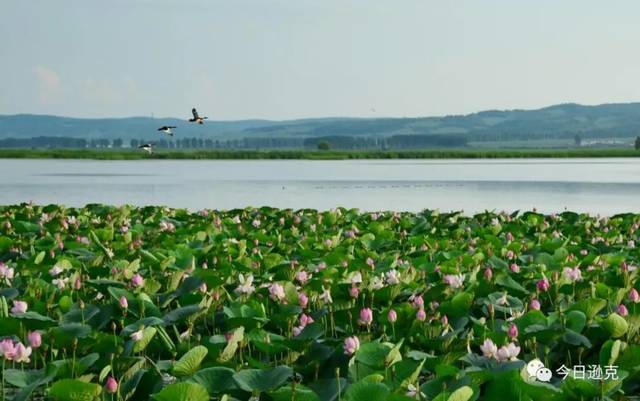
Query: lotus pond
123,303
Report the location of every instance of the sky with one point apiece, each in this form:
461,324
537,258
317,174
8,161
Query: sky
286,59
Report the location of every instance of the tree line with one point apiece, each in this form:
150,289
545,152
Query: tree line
328,142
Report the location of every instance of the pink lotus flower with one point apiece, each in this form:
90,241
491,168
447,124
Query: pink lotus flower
534,304
634,296
55,270
488,274
276,292
325,296
622,310
454,280
356,278
511,255
7,349
418,302
543,285
354,292
22,353
305,320
489,349
572,274
302,277
137,335
166,226
61,283
392,316
509,237
137,280
351,345
513,331
366,317
246,286
508,352
584,252
514,268
303,300
421,315
19,307
370,262
35,339
111,386
391,277
124,304
444,320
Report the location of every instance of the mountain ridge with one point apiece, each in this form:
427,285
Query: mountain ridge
609,120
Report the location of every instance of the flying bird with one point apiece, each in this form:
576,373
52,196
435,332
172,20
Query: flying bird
148,147
166,129
196,118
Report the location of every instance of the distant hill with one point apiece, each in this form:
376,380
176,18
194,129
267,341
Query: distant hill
559,121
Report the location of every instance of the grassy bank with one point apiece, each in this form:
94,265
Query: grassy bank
311,155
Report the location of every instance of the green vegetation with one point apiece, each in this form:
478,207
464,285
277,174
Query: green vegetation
108,154
153,303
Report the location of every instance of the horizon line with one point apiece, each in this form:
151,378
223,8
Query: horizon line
330,117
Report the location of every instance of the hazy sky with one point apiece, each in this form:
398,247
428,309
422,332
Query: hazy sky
280,59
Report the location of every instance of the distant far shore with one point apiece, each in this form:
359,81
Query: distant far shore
164,154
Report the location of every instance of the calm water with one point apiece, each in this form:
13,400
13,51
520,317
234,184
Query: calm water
602,186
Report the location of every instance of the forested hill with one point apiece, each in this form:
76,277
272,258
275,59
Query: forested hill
559,121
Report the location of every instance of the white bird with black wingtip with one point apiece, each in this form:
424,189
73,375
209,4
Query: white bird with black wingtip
167,129
147,147
196,117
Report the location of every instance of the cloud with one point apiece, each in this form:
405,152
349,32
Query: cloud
49,87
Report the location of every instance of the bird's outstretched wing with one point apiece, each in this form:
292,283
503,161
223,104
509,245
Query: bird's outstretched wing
195,113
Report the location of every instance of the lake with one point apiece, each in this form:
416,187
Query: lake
604,186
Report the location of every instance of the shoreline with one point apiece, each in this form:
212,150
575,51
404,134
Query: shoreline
164,154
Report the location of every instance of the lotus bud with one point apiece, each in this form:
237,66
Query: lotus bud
35,339
534,304
366,316
111,386
392,316
543,285
351,345
622,310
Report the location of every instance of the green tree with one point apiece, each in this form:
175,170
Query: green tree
577,140
324,145
638,143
